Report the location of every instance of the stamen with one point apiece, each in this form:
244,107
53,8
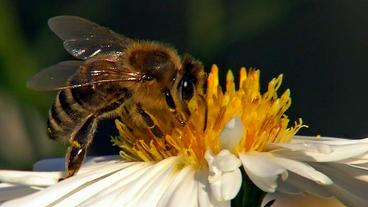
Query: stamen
237,120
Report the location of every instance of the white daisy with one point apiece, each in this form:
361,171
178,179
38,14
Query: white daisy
246,149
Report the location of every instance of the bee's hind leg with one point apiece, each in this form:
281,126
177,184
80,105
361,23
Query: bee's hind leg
74,159
78,147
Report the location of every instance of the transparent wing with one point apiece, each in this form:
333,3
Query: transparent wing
68,74
54,77
84,39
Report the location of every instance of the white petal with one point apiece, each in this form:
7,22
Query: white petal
183,191
124,187
349,189
118,183
9,191
296,184
63,189
86,195
364,168
29,178
225,177
349,182
346,188
328,140
321,151
302,169
231,134
359,160
230,184
262,171
224,161
205,197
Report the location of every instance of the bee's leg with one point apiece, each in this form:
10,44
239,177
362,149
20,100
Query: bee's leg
78,146
74,159
172,107
150,122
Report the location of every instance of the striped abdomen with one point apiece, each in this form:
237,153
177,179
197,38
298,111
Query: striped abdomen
75,110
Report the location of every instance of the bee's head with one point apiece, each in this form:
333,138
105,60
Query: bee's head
192,78
161,66
188,85
170,80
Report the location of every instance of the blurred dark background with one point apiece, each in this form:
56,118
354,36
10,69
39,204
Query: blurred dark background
319,46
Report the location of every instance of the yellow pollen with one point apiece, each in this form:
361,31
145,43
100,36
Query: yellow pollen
262,115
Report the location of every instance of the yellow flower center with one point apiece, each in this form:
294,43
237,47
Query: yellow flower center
262,116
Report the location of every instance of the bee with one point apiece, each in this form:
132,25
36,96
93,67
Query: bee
144,84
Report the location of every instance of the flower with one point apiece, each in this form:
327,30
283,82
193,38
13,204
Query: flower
236,145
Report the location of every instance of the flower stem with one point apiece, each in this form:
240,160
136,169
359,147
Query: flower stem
249,194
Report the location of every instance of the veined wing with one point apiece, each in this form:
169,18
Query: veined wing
84,39
68,74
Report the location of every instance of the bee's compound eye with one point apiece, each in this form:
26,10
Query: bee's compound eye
147,77
187,88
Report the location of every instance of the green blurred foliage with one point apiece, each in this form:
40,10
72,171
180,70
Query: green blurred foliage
21,123
319,46
17,61
216,24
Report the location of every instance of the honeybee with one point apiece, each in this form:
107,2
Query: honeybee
144,84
